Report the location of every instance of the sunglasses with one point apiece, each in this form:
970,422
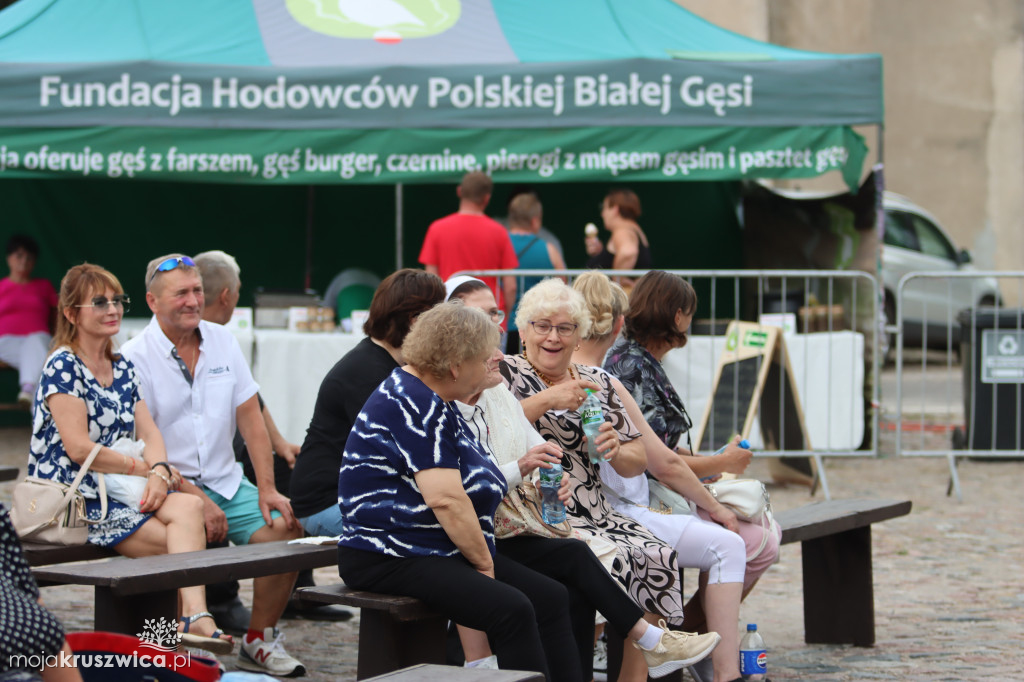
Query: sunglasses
171,264
102,302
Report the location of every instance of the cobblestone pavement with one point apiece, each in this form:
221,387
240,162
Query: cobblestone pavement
949,597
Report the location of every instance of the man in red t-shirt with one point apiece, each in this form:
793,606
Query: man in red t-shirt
469,240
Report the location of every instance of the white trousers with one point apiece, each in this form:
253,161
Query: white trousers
27,354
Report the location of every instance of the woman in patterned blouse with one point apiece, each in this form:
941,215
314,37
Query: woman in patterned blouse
89,394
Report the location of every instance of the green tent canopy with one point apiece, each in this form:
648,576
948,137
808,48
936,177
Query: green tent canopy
417,91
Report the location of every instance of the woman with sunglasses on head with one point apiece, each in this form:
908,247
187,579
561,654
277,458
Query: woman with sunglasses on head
89,396
660,310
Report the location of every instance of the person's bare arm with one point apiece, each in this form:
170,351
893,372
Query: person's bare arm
281,446
432,269
627,249
443,492
669,467
257,442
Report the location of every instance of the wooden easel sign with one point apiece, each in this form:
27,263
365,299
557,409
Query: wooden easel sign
755,379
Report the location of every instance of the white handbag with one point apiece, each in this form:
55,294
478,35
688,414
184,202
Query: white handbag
748,499
121,487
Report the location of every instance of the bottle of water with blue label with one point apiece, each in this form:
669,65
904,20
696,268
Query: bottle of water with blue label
753,657
552,510
592,418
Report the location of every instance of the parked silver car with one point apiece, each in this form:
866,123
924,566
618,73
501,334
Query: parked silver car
915,242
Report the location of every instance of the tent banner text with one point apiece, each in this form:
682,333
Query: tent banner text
417,156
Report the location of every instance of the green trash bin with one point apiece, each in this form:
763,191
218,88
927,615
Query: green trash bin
992,356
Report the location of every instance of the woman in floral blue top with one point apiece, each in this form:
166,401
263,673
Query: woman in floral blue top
89,394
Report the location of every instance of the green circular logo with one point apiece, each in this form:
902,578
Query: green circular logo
386,21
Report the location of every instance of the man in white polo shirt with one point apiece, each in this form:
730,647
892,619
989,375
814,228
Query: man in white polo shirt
199,388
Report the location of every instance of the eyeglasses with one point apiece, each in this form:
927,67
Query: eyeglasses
171,264
102,302
497,315
544,328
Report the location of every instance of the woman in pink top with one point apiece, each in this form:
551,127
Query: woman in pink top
26,315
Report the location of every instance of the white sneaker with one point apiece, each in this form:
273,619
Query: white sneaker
267,655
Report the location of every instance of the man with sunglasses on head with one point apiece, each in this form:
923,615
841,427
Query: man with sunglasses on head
199,388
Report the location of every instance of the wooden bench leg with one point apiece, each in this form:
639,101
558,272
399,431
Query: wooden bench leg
839,601
387,644
127,615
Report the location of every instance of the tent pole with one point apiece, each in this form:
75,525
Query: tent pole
398,226
308,282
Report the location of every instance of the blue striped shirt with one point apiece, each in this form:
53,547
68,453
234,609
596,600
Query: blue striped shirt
404,428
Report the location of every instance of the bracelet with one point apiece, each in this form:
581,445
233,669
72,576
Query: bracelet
154,472
165,465
131,466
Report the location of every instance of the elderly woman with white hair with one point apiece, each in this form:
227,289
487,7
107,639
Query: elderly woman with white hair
552,319
512,442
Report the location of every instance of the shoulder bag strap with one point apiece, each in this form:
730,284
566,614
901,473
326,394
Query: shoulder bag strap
82,471
527,247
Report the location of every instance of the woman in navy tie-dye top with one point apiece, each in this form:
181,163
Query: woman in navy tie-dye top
418,492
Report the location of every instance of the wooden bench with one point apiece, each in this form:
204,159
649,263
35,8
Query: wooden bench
837,579
129,591
447,673
8,473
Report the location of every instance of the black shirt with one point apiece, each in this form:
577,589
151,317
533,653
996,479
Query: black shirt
314,484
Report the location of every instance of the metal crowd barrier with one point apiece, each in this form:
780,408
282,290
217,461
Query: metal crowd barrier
965,399
835,319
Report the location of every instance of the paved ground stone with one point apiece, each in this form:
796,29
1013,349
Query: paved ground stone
948,591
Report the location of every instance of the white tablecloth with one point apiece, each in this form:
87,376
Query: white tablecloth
289,367
829,373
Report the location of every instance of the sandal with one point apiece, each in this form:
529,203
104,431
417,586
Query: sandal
214,644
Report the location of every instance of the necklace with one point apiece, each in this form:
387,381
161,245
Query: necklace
543,376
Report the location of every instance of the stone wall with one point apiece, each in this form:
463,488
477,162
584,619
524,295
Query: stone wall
954,95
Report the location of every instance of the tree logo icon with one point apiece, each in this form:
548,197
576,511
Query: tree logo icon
159,634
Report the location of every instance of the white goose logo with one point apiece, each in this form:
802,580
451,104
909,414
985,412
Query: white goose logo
386,21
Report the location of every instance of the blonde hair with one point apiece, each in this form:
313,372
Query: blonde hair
448,335
79,284
549,297
605,300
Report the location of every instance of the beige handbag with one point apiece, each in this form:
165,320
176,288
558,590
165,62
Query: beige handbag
519,513
47,511
748,499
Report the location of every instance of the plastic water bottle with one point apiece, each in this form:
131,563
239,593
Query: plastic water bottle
745,444
551,510
753,657
592,417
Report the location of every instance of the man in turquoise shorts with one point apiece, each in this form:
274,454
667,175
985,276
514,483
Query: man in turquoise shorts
199,388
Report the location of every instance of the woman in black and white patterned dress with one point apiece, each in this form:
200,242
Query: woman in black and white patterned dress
552,318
